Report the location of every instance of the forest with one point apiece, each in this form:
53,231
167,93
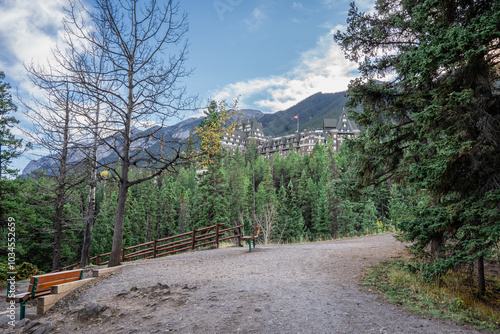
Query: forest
294,199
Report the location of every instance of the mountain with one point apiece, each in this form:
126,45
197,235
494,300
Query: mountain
311,113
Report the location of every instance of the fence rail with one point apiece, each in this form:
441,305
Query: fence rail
169,245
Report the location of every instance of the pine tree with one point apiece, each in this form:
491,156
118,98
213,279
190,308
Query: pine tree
10,146
434,123
211,205
237,191
320,217
290,225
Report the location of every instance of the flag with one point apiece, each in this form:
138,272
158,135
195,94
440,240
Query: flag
296,116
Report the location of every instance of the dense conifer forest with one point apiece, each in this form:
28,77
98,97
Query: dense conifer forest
294,199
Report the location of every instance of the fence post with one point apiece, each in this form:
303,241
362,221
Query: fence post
194,239
123,254
97,260
154,248
239,236
217,235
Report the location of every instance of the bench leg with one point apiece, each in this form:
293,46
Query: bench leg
253,243
249,245
22,312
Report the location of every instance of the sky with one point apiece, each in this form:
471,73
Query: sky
270,54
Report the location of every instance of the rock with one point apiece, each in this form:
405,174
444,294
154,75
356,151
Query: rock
22,323
4,322
133,289
31,325
162,286
90,310
122,294
44,328
189,287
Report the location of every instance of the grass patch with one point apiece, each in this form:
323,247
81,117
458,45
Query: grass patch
451,298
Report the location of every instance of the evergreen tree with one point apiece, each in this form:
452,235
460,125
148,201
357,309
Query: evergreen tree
185,200
320,217
211,205
238,187
306,197
168,206
434,124
370,217
10,146
102,234
290,225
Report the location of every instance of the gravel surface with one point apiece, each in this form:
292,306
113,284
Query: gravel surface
300,288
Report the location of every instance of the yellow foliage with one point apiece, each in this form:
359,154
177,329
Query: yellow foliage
218,122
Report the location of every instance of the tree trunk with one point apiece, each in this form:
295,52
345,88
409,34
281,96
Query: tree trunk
116,250
148,234
89,223
481,283
436,244
56,253
61,189
182,214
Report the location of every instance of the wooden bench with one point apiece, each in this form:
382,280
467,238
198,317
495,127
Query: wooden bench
41,285
256,231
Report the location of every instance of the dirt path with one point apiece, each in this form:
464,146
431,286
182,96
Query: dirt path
305,288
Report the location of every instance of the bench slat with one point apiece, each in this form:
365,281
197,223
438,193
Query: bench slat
19,298
54,277
59,275
256,231
27,295
48,285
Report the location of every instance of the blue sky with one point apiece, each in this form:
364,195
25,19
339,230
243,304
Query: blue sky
271,54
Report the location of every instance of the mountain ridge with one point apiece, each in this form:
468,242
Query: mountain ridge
311,112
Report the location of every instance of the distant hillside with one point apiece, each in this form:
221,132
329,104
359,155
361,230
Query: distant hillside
311,113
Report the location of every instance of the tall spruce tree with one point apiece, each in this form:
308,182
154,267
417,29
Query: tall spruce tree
433,121
10,146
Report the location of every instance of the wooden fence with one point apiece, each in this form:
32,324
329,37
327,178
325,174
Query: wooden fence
170,245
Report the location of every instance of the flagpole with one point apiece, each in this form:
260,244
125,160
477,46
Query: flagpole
297,124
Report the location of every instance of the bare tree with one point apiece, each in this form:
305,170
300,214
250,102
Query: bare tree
267,219
89,68
143,47
54,133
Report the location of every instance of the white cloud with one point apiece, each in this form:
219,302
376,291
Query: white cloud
297,5
321,69
258,17
28,30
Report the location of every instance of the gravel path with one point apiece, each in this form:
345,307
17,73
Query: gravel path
301,288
